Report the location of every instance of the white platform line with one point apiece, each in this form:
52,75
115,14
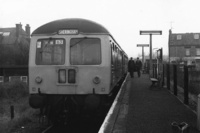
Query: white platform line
108,116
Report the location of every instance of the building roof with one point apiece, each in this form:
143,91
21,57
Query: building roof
186,39
83,26
8,35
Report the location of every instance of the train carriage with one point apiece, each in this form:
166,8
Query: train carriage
74,61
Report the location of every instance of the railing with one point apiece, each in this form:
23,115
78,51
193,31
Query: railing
185,77
184,81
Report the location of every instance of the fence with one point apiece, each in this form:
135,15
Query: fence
182,77
186,80
8,73
185,77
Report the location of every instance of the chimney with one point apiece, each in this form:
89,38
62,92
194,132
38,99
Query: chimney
28,31
18,29
170,32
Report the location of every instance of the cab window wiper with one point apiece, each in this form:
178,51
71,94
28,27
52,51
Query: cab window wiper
50,38
81,39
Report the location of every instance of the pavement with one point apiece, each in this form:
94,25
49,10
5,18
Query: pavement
153,109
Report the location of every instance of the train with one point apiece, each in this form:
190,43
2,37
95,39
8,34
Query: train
74,65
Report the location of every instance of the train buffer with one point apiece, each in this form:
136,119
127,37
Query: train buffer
154,81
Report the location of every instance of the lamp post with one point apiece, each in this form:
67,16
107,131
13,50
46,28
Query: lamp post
150,33
143,45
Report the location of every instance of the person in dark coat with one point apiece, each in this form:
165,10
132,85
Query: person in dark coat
131,67
138,65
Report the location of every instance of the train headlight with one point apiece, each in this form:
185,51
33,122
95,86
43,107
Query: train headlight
96,80
38,80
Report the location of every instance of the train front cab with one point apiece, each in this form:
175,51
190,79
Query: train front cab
71,76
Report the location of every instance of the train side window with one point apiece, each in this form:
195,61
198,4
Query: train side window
113,53
113,46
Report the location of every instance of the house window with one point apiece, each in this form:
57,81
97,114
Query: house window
179,37
187,51
196,36
198,51
24,78
6,33
18,78
14,78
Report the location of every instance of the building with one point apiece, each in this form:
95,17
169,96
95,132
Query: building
14,51
14,35
184,47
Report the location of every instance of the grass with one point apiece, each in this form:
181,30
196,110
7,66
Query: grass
13,90
8,126
14,93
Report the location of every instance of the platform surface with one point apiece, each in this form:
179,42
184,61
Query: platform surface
153,109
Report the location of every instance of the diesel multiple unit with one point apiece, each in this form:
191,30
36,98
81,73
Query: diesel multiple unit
74,65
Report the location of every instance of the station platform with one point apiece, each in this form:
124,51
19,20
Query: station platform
141,108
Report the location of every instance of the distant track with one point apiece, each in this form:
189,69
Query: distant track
47,129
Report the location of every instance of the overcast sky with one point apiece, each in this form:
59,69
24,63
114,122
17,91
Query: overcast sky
123,18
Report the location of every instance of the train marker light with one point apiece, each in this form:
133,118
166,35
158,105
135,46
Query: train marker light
38,80
62,76
96,80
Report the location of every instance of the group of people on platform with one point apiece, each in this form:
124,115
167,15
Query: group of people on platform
134,66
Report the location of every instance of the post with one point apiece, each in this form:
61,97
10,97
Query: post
163,76
168,77
156,71
198,113
143,57
12,115
186,85
175,79
153,71
150,56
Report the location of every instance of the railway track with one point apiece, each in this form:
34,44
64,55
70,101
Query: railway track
87,123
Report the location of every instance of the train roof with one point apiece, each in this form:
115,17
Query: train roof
82,25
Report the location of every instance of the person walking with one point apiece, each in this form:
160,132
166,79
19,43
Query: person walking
138,66
131,67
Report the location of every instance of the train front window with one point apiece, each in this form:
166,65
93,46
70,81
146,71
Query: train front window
50,51
85,51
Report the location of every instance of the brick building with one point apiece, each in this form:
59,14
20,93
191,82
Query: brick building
184,47
14,51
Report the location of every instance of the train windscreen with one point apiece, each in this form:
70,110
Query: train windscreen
50,51
85,51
